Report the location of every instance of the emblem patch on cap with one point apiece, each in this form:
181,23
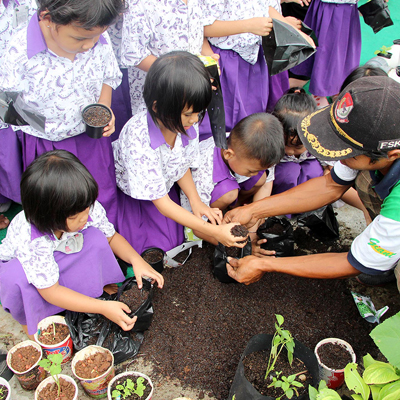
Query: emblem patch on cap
343,108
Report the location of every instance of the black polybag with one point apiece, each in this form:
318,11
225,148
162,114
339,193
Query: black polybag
322,223
221,258
282,244
87,328
216,111
285,47
376,14
308,31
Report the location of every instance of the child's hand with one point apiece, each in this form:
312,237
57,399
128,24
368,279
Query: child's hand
110,128
225,236
257,251
214,215
116,311
261,26
142,269
296,23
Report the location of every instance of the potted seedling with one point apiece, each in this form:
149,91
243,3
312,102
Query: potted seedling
23,359
322,393
130,385
381,380
5,389
274,367
54,337
333,355
384,52
57,386
94,367
96,117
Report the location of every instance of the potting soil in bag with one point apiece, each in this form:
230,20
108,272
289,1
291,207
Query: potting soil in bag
279,235
322,223
221,255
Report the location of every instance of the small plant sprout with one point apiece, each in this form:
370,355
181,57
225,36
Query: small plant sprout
322,393
52,364
288,384
282,338
128,388
383,50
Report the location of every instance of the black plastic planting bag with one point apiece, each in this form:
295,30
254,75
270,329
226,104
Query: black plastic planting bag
376,14
308,31
285,47
216,111
242,389
279,235
87,329
221,258
322,223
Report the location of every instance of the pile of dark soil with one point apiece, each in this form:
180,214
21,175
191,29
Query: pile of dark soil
334,356
201,326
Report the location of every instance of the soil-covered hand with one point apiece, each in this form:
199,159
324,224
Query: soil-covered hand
214,215
110,128
225,236
142,269
242,215
117,312
245,270
257,251
261,26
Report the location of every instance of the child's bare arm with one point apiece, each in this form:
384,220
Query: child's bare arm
68,299
145,64
258,26
122,249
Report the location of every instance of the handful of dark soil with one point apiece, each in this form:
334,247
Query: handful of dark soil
97,116
54,334
24,358
240,231
94,365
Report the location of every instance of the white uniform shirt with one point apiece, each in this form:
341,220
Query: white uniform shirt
247,45
54,86
153,27
145,166
34,250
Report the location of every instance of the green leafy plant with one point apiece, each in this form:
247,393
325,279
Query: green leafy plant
281,339
381,379
52,364
383,50
288,384
322,393
2,393
128,388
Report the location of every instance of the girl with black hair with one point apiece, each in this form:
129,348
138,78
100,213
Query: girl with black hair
59,251
156,149
59,63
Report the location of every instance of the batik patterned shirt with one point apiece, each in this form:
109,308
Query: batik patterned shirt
154,27
54,86
34,249
146,167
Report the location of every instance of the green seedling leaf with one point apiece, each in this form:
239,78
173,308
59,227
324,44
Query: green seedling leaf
380,372
312,392
391,391
375,390
279,318
355,382
130,384
387,337
116,393
368,360
357,397
119,387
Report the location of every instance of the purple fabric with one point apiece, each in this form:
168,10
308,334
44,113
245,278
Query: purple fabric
95,154
121,104
278,85
244,88
249,184
10,165
143,226
337,27
86,272
290,174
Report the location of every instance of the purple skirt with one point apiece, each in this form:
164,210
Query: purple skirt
10,165
143,226
86,272
278,86
95,154
244,88
337,27
121,104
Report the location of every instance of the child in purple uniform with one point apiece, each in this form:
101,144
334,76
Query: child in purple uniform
58,252
156,149
60,63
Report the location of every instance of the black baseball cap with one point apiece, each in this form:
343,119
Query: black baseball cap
364,119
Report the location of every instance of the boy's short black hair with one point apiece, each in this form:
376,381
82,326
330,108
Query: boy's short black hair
258,137
291,108
360,72
176,80
55,187
87,14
